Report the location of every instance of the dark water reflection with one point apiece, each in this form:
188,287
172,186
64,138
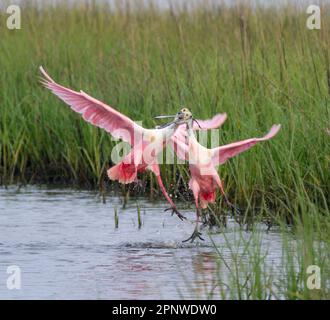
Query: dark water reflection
66,245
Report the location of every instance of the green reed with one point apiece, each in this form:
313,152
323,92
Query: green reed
116,218
245,272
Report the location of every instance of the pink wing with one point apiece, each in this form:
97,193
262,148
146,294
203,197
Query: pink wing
178,140
180,147
96,112
221,154
214,123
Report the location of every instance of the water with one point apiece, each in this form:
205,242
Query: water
66,245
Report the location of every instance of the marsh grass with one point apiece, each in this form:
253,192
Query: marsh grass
139,219
247,272
261,66
116,217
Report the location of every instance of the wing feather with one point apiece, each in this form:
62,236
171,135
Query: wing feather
96,112
221,154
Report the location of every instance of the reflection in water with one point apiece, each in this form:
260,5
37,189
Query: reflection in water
67,246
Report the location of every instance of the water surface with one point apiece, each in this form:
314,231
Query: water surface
67,246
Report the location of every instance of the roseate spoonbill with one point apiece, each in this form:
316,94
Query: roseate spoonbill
145,143
203,163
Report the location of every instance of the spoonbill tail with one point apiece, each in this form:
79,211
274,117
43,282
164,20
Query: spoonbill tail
146,143
203,163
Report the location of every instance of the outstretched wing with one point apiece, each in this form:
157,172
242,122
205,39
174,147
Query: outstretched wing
96,112
180,147
214,123
178,140
221,154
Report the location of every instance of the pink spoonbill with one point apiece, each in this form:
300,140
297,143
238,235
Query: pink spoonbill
146,143
203,163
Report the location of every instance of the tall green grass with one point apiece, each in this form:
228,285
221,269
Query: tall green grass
260,65
244,269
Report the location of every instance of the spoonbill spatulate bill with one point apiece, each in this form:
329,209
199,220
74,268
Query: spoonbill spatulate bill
145,143
203,163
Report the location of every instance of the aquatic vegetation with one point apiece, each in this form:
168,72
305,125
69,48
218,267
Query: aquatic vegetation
138,210
247,274
116,218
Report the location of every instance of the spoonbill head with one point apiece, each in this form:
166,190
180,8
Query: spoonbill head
185,115
182,117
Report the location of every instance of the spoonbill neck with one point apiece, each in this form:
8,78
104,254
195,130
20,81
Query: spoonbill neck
169,130
190,127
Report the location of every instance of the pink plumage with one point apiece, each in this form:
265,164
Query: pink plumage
205,179
121,127
221,154
96,112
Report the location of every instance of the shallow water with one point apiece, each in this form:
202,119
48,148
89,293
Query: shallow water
66,245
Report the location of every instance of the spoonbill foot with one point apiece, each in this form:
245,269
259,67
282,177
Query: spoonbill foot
195,234
232,206
176,211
